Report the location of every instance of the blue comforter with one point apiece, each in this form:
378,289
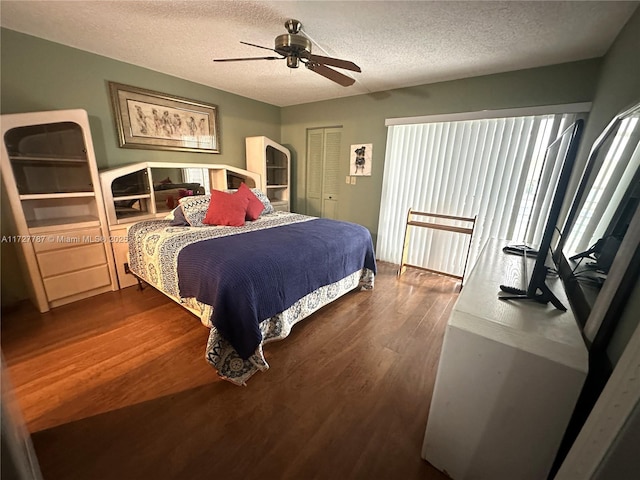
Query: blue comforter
251,277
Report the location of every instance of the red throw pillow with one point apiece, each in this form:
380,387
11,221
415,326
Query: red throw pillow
226,209
255,207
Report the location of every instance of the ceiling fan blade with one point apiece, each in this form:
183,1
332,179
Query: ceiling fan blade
247,58
258,46
334,62
331,74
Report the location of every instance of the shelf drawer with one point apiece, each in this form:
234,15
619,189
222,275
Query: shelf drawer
73,283
69,238
57,262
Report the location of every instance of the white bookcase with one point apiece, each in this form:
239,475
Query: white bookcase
50,175
273,162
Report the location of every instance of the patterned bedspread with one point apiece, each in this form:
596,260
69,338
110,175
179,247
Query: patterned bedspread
155,252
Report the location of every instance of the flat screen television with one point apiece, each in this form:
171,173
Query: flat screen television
565,147
606,206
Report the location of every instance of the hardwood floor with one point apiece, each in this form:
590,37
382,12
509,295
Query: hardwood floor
117,387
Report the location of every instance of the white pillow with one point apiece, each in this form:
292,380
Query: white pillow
268,208
195,208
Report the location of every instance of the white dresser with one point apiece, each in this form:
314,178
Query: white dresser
509,376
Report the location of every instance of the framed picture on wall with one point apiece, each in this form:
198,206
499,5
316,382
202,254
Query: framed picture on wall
361,155
157,121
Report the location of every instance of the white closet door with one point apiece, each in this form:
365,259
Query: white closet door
330,184
315,153
323,171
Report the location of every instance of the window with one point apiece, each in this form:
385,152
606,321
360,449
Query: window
197,175
489,167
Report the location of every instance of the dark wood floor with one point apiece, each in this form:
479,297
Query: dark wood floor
117,387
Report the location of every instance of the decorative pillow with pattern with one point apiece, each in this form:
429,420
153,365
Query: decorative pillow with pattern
195,208
268,208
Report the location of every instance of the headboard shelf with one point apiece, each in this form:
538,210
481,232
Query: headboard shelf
149,190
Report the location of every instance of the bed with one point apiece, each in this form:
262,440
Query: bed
250,284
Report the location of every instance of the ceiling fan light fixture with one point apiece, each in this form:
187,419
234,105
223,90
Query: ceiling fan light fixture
296,49
289,44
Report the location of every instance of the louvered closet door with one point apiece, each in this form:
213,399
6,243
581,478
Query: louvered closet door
323,162
315,153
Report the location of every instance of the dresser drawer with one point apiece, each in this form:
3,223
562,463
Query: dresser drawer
73,283
57,262
69,239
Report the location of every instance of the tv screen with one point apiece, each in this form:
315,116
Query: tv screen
569,141
563,149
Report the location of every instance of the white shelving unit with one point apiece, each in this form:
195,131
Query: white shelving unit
273,162
50,174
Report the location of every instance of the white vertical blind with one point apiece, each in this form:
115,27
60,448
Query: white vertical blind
488,167
197,175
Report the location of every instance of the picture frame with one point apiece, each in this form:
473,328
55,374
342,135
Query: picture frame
360,160
158,121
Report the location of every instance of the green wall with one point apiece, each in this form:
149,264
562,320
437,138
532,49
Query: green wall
39,75
611,83
618,85
362,118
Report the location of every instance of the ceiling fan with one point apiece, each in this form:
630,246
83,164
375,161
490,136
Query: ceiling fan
296,48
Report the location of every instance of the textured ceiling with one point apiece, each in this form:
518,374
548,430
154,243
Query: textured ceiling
396,43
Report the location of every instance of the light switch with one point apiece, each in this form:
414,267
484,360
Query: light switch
348,181
353,180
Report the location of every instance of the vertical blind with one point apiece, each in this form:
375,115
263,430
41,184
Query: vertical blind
489,168
197,175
